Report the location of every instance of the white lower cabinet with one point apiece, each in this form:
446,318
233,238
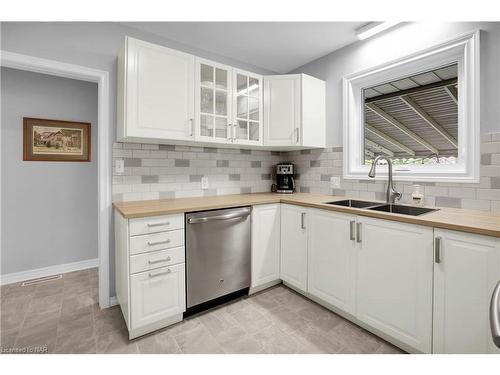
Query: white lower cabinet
157,295
466,271
394,280
266,228
293,268
331,250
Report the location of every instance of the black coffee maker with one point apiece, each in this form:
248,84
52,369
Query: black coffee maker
285,182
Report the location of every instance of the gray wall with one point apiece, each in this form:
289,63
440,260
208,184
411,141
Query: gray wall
49,209
398,42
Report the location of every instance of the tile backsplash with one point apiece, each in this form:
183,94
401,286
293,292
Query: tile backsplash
167,171
315,167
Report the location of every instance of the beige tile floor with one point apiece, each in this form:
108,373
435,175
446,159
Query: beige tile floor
63,317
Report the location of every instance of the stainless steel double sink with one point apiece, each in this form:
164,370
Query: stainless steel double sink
377,206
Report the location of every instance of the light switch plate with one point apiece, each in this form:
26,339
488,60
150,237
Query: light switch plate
335,182
204,183
120,166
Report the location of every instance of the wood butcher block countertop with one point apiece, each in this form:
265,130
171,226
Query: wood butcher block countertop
479,222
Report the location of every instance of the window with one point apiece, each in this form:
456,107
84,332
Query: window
422,111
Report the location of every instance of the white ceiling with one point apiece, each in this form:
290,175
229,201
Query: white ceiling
276,46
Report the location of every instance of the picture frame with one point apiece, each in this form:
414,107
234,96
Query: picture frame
56,140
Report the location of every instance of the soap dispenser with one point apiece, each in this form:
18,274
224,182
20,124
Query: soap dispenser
417,198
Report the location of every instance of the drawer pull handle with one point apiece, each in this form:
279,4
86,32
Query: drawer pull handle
158,224
359,238
167,259
160,273
352,230
158,242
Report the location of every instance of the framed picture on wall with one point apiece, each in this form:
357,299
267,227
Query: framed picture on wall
55,140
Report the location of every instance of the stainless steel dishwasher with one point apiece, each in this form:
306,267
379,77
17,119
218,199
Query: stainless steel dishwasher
218,254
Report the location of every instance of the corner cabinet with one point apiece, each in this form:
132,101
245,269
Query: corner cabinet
266,229
466,271
155,93
294,111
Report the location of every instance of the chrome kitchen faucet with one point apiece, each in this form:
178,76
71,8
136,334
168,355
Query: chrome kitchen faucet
391,194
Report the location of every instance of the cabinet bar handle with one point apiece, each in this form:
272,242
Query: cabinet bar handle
150,243
191,127
352,224
358,233
167,259
437,250
229,131
296,135
303,220
160,273
158,224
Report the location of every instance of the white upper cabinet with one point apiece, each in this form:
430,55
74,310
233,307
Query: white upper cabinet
294,111
331,258
247,108
155,93
466,271
214,101
394,280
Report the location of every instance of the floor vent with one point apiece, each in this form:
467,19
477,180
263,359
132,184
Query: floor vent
41,280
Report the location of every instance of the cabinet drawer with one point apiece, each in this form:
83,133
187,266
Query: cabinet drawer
155,224
157,295
156,259
156,241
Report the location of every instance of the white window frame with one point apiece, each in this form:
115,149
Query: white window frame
463,50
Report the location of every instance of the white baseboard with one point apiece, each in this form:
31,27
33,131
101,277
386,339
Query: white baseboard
16,277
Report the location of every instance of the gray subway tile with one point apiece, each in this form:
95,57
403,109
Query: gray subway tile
211,150
486,159
380,196
132,162
495,182
234,177
209,192
315,163
167,147
265,176
325,177
150,179
305,189
245,190
181,163
195,177
336,149
246,152
305,152
275,153
223,163
256,164
448,202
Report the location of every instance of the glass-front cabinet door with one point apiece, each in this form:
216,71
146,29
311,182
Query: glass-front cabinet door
247,108
213,102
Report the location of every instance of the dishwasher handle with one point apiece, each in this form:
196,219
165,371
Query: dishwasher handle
232,215
495,315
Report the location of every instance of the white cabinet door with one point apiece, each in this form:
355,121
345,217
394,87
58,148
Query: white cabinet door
464,279
247,108
282,114
214,100
265,244
331,258
293,268
157,295
159,92
394,280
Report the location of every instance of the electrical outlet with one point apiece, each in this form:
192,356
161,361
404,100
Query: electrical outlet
119,166
204,183
335,182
